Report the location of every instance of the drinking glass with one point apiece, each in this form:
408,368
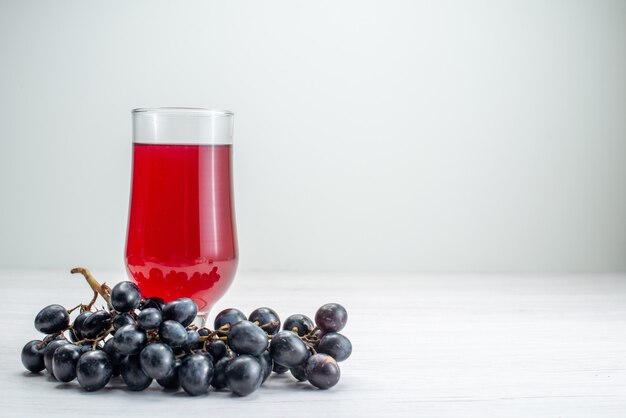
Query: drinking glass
181,239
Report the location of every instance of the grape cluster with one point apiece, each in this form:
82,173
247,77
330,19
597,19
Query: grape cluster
145,339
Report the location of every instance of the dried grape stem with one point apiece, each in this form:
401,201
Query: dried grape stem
95,286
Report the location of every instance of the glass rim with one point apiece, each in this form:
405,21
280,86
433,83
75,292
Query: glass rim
199,111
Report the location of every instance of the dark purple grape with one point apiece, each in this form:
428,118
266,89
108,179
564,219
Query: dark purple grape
133,375
217,348
129,340
150,318
279,368
287,348
298,372
245,337
219,375
322,371
64,362
192,341
121,320
157,360
115,357
183,310
52,319
77,326
95,324
32,356
335,345
266,363
171,381
298,323
125,296
268,317
204,332
49,352
244,374
152,302
93,370
228,316
195,374
173,334
331,317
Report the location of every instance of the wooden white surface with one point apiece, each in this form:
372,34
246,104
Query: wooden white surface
424,346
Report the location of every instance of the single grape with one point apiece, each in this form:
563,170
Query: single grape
299,373
77,326
193,339
279,368
335,345
322,371
287,348
171,381
64,361
266,363
173,334
157,360
32,356
331,317
152,302
150,318
49,352
244,374
183,310
217,348
129,340
122,319
298,323
245,337
195,374
96,323
125,296
51,319
115,357
219,375
204,332
228,316
93,370
268,317
133,375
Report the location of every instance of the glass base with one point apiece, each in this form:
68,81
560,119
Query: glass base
200,319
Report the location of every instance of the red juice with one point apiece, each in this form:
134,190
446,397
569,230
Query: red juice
181,231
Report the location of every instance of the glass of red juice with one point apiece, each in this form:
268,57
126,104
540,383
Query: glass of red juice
181,239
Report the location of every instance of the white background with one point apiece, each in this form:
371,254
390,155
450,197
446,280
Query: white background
389,136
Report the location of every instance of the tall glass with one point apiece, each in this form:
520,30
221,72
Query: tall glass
181,239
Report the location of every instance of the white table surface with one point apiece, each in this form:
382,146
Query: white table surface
424,346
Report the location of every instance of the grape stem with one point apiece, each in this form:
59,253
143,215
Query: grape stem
98,288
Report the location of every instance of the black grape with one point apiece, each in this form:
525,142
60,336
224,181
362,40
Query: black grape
183,310
157,360
149,318
95,324
228,316
173,334
52,319
64,361
125,296
322,371
331,317
247,338
244,374
129,340
287,348
264,316
93,370
133,375
49,352
298,323
32,356
195,374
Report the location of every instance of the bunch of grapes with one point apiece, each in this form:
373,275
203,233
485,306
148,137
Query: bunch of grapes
146,339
